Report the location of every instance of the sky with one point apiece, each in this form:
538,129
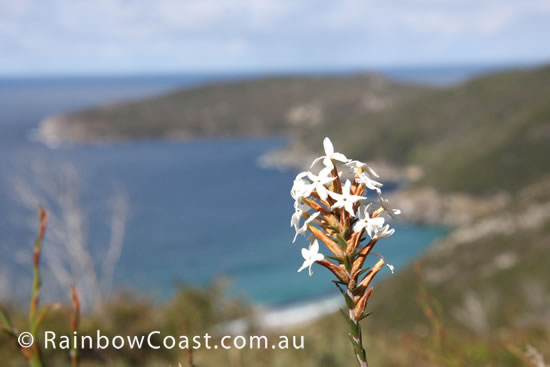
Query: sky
133,36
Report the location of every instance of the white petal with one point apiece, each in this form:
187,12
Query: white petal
349,208
295,219
322,191
311,218
347,188
359,225
329,148
363,213
369,231
314,248
339,157
311,176
337,205
372,172
378,221
334,195
308,189
304,265
326,172
327,162
355,164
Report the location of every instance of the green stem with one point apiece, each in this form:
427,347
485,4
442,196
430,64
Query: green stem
35,359
36,282
357,343
355,335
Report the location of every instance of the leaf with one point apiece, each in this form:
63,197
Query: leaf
6,325
340,261
341,242
347,233
347,263
42,314
347,298
349,301
356,347
335,229
355,330
338,286
364,316
5,321
363,271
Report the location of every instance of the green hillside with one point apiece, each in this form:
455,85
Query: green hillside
489,134
261,107
493,129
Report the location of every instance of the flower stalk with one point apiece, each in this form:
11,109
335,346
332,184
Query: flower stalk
339,214
75,322
33,354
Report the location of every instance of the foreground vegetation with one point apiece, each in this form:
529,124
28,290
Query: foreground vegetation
459,305
391,342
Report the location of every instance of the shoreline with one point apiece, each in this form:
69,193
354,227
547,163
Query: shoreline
283,317
420,205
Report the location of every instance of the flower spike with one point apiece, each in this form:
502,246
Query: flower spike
340,219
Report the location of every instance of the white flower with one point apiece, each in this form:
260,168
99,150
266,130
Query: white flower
299,209
383,232
358,167
368,182
345,200
364,173
303,229
299,186
319,182
311,256
330,155
386,206
372,225
390,266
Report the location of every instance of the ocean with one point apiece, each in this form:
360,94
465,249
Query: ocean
198,211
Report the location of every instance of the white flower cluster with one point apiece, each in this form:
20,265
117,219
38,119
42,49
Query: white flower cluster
321,187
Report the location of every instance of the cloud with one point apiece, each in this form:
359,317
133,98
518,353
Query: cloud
119,35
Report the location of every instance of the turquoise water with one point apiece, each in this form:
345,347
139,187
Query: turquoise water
199,210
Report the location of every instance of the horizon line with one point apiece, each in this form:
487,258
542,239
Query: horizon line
276,71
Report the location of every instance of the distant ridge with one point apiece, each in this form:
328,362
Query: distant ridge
260,107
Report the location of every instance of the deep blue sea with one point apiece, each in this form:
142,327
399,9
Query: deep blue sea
199,210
